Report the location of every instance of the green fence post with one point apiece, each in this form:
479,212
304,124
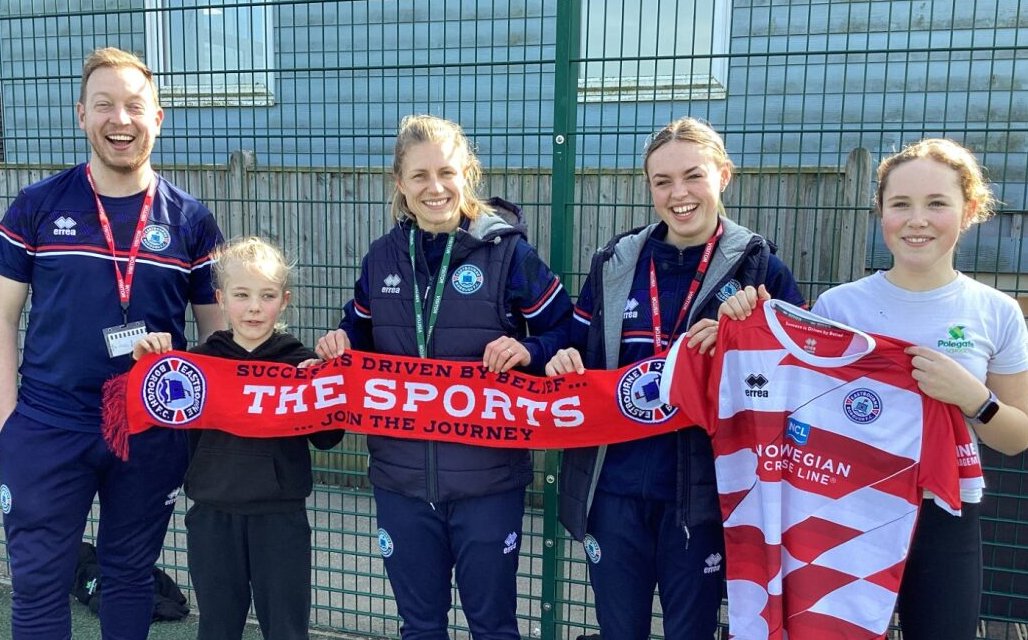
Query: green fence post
565,120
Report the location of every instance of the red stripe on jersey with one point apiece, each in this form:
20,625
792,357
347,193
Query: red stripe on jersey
808,585
817,625
809,539
889,577
644,333
77,248
16,237
153,257
106,254
752,558
729,502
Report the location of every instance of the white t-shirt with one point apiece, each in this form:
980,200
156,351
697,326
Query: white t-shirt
981,328
823,445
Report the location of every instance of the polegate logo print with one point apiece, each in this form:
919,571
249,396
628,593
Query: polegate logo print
862,406
638,393
156,238
467,279
956,340
174,391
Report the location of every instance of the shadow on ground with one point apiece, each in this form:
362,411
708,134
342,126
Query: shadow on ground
86,626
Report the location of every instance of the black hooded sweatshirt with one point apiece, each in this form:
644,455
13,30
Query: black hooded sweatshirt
253,475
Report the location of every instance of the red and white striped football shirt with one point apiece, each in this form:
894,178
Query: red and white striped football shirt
823,445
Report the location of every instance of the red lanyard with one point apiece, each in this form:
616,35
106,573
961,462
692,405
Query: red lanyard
694,287
124,283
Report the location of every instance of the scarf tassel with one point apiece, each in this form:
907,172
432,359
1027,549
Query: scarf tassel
115,426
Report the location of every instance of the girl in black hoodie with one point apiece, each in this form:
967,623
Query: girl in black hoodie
247,530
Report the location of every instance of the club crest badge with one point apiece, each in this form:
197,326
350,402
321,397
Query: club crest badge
729,289
592,549
385,543
156,237
862,406
5,498
467,279
174,391
638,393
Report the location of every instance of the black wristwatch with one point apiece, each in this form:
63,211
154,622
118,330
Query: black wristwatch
987,410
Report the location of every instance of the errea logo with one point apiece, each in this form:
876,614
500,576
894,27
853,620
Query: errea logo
756,383
713,562
64,226
631,309
392,283
510,543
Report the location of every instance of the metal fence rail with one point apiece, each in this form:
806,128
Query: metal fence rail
280,115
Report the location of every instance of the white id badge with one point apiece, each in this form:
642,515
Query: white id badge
119,340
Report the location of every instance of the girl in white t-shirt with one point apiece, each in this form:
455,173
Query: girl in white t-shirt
973,353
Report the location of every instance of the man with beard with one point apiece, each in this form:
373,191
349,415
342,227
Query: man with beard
111,251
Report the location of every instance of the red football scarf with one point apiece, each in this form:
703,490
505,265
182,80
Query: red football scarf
394,396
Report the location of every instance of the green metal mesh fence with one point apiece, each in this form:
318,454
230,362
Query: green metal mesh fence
280,116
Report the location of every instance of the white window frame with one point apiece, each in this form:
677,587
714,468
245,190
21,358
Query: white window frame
608,85
174,92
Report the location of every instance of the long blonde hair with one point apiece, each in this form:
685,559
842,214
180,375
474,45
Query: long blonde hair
415,129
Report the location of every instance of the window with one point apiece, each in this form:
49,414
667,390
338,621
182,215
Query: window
217,54
654,50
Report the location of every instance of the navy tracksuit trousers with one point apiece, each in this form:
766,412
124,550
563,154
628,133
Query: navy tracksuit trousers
635,545
424,545
48,479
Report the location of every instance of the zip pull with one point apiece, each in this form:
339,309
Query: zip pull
685,528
